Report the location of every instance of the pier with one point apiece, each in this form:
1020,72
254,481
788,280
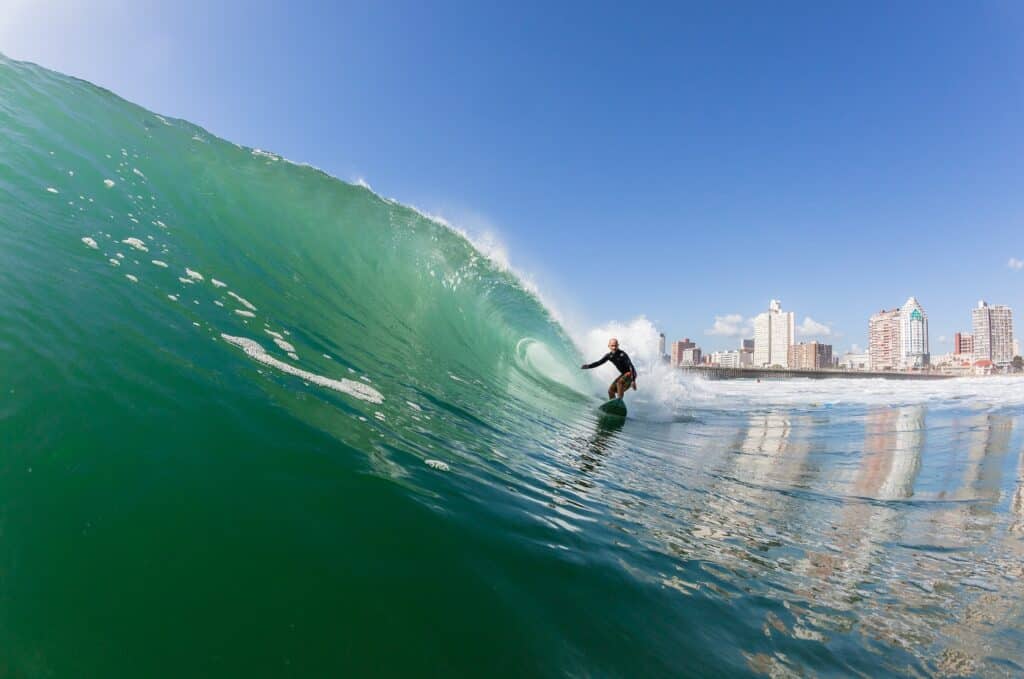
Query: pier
719,373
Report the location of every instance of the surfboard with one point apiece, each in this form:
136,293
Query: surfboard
616,406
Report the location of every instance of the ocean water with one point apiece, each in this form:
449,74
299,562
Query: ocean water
256,421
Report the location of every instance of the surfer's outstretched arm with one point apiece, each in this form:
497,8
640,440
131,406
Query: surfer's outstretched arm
588,366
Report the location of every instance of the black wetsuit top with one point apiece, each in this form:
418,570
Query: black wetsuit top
619,359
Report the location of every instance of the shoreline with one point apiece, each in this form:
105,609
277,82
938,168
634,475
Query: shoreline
719,373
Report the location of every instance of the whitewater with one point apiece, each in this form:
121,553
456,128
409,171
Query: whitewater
256,420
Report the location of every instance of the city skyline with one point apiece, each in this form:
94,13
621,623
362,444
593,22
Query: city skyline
724,331
898,339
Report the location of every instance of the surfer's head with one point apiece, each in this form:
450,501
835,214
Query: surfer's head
613,344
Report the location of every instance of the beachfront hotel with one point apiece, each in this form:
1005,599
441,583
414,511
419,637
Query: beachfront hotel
883,339
993,333
810,356
678,348
913,336
773,335
963,344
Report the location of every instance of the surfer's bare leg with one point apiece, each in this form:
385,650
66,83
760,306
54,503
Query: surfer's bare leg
618,387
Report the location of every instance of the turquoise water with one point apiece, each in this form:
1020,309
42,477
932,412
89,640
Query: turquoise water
257,421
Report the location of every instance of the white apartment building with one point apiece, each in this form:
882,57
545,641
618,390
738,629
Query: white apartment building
773,335
993,333
731,359
913,335
855,361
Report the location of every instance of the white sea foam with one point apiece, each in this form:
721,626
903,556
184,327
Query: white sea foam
132,278
120,255
244,302
186,281
136,243
139,173
173,298
218,284
218,302
665,392
109,183
292,355
266,154
159,263
285,346
438,465
255,351
90,242
243,312
114,262
194,275
52,190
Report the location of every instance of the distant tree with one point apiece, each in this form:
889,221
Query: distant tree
1017,363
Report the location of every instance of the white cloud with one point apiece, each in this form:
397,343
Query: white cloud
813,328
1015,264
731,325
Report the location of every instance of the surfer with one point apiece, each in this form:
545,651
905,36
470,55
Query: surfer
620,359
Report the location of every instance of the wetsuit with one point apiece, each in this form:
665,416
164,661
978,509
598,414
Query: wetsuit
620,359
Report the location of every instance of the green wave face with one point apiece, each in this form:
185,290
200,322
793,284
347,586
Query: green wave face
213,356
131,241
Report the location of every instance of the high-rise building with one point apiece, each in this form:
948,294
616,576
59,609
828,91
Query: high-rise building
963,344
993,333
773,335
810,356
1016,347
747,345
678,348
913,336
884,339
661,345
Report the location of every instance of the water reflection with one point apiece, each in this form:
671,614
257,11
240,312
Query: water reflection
891,526
598,444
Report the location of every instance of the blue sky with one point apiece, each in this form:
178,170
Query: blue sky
680,161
